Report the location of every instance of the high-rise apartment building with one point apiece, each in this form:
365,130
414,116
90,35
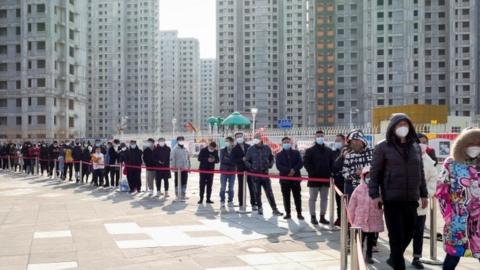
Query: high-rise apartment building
208,85
262,49
179,81
42,69
404,52
123,71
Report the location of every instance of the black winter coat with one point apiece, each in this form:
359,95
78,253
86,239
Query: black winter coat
287,160
113,155
203,157
397,170
161,155
148,158
318,161
133,157
77,153
237,156
227,163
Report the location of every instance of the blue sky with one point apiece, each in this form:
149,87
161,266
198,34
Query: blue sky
192,18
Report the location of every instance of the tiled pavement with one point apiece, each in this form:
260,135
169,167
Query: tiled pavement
45,224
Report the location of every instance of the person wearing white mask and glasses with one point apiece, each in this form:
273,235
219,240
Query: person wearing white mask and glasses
133,163
149,162
398,179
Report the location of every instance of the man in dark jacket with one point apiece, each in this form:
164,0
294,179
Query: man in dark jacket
86,159
289,163
150,164
53,153
397,175
207,157
161,156
259,159
77,157
318,161
339,148
227,164
4,154
43,156
133,163
113,163
238,155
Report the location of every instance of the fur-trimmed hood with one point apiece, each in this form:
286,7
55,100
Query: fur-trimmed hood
465,139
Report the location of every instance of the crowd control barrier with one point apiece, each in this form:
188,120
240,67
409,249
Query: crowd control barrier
354,246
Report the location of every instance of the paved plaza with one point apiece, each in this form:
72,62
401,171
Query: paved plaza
46,224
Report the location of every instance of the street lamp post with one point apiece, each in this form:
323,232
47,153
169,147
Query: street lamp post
352,112
254,112
174,122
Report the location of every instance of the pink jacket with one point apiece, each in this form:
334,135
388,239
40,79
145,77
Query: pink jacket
364,212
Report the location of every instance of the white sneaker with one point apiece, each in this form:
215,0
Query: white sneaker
166,194
230,204
150,193
222,205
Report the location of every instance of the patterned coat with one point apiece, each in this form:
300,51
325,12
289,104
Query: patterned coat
364,211
459,196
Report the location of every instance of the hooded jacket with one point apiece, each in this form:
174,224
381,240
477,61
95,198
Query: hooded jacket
458,194
397,169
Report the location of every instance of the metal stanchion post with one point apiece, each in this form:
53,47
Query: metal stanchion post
243,208
80,177
55,172
180,197
9,163
433,235
354,233
37,166
331,204
344,235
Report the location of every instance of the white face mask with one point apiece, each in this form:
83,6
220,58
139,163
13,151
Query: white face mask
240,140
338,145
320,140
473,151
161,143
133,146
402,132
256,141
180,142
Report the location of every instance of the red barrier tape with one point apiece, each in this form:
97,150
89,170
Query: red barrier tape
259,175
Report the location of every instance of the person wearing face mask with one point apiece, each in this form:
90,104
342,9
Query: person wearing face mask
133,163
397,176
337,172
318,162
430,151
357,155
238,155
53,153
98,164
86,167
43,156
431,176
259,159
113,163
366,214
161,155
227,163
150,164
458,194
207,157
180,159
289,163
77,156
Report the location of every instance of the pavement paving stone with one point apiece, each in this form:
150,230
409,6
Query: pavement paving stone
49,224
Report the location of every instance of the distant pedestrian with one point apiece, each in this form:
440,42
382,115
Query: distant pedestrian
289,163
259,159
207,157
227,164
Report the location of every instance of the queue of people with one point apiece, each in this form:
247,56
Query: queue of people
391,181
